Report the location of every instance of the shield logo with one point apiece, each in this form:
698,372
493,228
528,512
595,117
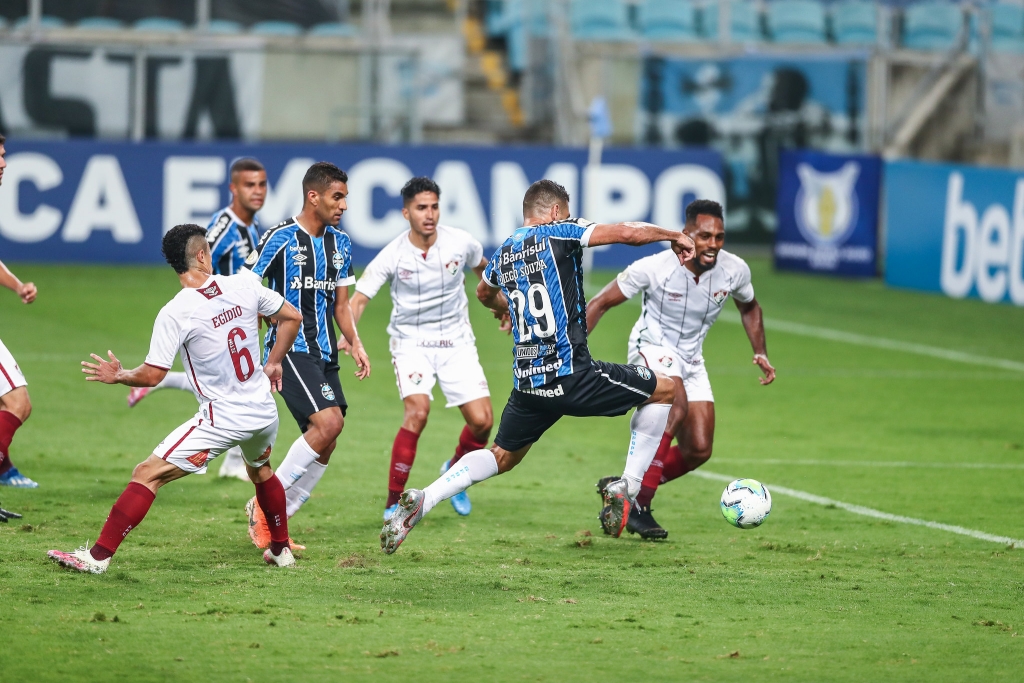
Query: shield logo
642,371
415,378
327,391
720,296
826,204
666,361
337,260
452,266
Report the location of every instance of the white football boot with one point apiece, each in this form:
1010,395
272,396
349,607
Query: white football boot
403,519
80,560
285,559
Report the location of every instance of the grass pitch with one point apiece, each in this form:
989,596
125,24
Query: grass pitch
527,588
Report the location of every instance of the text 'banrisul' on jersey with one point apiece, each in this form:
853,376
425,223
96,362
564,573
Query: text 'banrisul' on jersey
539,269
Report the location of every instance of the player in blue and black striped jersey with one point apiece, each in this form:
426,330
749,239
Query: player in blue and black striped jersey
536,278
308,260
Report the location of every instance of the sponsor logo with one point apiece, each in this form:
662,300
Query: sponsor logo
337,260
327,391
415,378
642,371
720,296
524,351
299,259
227,315
508,257
309,282
527,269
675,297
545,393
666,361
252,258
538,370
826,204
621,277
299,248
435,343
453,266
404,274
212,291
199,459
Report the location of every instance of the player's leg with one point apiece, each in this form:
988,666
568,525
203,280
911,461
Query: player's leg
464,385
696,434
270,495
15,408
172,380
414,376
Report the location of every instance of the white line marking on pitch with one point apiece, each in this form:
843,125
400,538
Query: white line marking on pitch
869,512
881,343
877,463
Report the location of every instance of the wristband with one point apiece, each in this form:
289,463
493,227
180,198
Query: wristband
761,355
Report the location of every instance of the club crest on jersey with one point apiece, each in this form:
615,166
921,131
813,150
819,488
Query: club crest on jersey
720,296
199,459
642,371
337,260
327,391
415,378
212,291
666,361
453,266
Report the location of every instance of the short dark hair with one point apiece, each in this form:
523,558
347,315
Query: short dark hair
3,138
179,244
544,194
245,164
417,185
703,207
320,175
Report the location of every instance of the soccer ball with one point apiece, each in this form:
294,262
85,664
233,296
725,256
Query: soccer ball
746,503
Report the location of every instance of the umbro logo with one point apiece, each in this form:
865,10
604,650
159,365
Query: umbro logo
299,259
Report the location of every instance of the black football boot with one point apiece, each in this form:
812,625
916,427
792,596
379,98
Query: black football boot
642,522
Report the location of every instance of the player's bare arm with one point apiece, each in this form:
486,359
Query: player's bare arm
111,372
493,298
505,321
289,322
609,297
346,323
753,323
25,290
637,234
357,304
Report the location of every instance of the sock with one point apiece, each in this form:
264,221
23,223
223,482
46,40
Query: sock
271,498
301,490
9,424
128,512
652,477
174,380
676,466
295,463
403,453
472,469
647,426
467,444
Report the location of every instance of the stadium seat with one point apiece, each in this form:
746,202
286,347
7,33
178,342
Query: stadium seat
45,21
668,20
932,26
600,20
855,23
276,28
744,22
335,29
158,24
99,24
797,22
223,26
1007,28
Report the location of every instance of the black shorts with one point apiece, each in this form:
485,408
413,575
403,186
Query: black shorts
310,384
603,390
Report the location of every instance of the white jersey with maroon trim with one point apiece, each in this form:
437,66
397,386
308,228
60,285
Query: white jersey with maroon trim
428,293
678,307
215,331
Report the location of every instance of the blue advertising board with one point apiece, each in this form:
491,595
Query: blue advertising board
828,213
958,230
104,202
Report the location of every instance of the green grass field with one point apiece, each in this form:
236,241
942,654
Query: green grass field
527,588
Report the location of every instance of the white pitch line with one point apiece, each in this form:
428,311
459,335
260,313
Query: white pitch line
869,512
877,463
881,343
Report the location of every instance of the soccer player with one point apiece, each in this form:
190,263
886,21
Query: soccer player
536,275
233,233
308,261
15,404
213,325
431,336
679,306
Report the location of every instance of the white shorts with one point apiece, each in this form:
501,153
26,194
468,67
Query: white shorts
667,362
10,374
456,368
192,445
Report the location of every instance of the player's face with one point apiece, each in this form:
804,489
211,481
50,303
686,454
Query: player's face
423,213
708,235
250,187
330,204
3,163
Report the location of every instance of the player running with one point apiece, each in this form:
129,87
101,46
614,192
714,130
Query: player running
15,404
309,261
233,233
536,275
679,306
213,325
431,335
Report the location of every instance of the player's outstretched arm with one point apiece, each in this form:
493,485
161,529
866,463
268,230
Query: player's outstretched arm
347,324
607,298
26,290
289,322
637,234
753,323
111,372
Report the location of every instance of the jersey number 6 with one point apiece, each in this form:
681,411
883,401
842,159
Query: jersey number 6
240,354
539,304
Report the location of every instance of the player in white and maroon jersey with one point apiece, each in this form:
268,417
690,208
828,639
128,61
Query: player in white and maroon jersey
679,306
431,336
213,325
15,405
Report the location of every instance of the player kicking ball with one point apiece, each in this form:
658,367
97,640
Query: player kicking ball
536,276
213,325
233,234
431,336
680,304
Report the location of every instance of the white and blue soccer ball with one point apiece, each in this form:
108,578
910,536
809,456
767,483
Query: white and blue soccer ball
746,503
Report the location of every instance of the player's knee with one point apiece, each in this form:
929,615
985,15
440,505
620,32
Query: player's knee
481,427
331,425
416,418
17,403
701,450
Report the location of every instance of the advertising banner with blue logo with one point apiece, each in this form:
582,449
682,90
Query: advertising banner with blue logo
828,213
81,201
958,230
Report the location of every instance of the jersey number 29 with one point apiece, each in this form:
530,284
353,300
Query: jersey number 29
538,302
239,354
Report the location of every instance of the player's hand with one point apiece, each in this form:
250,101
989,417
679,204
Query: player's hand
273,372
504,321
343,345
362,361
684,248
761,361
27,292
102,371
7,514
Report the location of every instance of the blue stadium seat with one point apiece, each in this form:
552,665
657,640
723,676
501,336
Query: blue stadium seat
99,24
1007,28
600,20
518,21
223,26
158,24
276,28
932,26
3,23
797,22
668,20
744,22
855,23
335,29
45,22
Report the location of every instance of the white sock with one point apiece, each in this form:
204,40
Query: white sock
473,468
295,464
174,380
647,425
300,491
